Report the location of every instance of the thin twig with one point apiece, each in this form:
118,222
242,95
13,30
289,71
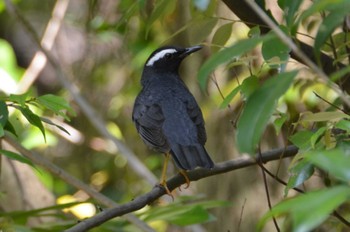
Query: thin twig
329,103
260,163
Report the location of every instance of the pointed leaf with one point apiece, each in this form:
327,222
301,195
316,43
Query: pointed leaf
229,97
200,29
299,173
258,110
48,121
32,119
227,55
320,203
16,156
4,114
57,104
221,36
336,162
328,25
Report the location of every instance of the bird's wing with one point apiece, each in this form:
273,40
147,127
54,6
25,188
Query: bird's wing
148,119
196,116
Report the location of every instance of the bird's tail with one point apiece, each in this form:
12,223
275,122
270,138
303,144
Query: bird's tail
191,156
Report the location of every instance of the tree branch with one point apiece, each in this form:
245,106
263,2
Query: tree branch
64,77
57,171
177,181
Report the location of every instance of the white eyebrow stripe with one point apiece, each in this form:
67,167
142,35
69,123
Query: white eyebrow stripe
160,55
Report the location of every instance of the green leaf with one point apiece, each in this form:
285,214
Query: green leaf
4,113
2,131
19,98
328,25
299,173
32,119
324,116
200,29
221,36
290,9
9,127
278,123
258,110
226,55
335,161
16,156
335,76
163,7
56,104
48,121
249,85
254,32
316,136
229,97
309,210
301,139
344,125
275,51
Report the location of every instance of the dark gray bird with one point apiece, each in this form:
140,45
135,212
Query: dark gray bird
166,115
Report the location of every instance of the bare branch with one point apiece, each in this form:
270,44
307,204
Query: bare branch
177,181
57,171
64,77
39,60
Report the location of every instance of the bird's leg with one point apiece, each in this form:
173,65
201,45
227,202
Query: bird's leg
163,178
184,174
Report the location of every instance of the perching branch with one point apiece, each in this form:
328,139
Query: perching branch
177,181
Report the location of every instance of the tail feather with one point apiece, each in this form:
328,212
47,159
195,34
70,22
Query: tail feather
191,156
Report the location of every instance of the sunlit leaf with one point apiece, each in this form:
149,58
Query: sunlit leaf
258,110
336,162
309,210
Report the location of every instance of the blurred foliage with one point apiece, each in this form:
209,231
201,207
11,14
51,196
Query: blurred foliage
259,97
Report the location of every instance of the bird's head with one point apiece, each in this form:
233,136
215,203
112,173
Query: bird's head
169,58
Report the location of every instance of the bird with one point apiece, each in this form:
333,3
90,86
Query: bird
166,114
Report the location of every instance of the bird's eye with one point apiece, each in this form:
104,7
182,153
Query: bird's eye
168,55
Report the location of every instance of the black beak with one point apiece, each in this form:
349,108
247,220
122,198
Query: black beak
191,50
